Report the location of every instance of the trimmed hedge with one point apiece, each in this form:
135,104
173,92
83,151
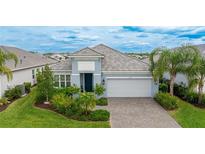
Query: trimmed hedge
166,101
99,115
102,102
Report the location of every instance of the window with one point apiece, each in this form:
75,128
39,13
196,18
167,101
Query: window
62,81
67,80
33,74
56,80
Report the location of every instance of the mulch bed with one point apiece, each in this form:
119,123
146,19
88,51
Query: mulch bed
200,105
3,107
45,106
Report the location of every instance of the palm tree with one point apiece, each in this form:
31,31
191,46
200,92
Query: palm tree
4,56
196,75
172,61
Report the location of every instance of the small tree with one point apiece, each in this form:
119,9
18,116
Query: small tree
99,90
87,102
45,84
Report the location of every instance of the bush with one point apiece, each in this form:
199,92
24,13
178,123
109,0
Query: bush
20,88
102,102
99,115
72,90
13,93
27,87
99,89
59,90
87,102
192,97
163,87
180,90
61,102
3,101
74,108
167,101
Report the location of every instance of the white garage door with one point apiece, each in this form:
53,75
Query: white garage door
129,87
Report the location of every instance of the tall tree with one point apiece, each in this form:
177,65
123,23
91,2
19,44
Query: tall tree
5,56
173,61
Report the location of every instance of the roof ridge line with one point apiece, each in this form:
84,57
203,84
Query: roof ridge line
76,52
119,52
95,51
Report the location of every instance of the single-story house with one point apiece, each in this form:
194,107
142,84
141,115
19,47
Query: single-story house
181,78
121,75
26,69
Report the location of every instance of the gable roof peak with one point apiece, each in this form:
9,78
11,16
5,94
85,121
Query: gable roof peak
86,52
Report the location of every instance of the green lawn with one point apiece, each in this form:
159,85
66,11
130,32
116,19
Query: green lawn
23,114
189,116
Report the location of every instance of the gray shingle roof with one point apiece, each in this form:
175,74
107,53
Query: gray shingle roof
63,65
116,61
86,52
26,59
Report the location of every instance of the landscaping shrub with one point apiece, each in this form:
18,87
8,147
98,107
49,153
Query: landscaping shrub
21,88
180,90
102,102
72,90
166,101
99,90
27,87
59,90
192,97
163,87
74,108
99,115
61,102
13,93
3,101
87,102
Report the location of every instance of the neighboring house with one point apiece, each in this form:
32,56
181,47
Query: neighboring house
121,75
181,78
58,57
26,69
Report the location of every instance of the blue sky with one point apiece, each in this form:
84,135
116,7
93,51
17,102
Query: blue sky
124,38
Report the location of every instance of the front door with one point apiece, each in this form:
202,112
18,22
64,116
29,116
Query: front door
88,82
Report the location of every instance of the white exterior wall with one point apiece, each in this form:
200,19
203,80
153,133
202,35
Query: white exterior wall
180,78
143,75
19,77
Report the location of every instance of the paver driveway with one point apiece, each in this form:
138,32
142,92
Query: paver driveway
138,112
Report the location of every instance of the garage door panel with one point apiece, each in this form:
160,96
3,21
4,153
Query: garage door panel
129,87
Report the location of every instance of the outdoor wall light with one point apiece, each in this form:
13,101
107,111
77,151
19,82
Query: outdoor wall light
103,82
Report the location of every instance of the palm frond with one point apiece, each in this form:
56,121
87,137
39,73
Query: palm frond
7,71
